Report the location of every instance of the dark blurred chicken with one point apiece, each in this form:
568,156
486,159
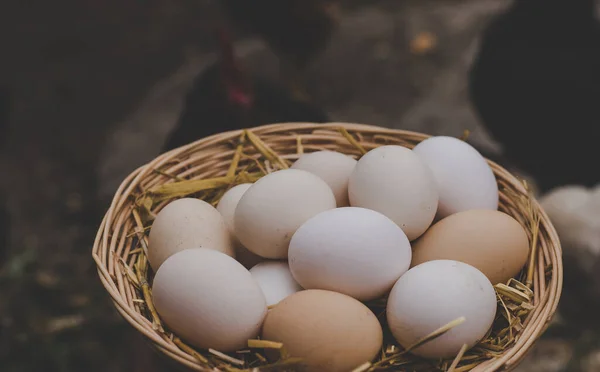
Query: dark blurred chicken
224,99
536,86
296,30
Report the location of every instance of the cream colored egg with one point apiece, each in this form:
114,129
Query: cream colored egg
464,178
274,207
187,223
333,167
226,207
434,294
492,241
354,251
209,299
393,180
275,280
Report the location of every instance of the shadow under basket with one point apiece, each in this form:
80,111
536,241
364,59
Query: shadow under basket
208,167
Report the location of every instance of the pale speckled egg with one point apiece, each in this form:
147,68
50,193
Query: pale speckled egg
333,167
187,223
330,331
492,241
274,207
464,178
354,251
393,180
226,207
275,280
432,295
209,299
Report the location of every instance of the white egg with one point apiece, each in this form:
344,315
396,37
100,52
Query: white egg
275,280
229,202
209,299
274,207
226,207
465,180
393,180
433,294
354,251
333,167
187,223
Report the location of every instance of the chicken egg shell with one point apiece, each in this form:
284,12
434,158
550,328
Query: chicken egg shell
330,331
226,207
333,167
229,201
187,223
275,280
464,178
209,299
354,251
393,180
274,207
433,294
492,241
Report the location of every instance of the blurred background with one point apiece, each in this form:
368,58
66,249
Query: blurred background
90,90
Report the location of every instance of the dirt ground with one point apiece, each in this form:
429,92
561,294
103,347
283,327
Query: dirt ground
96,87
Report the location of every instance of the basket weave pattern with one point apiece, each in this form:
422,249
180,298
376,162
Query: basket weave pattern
116,248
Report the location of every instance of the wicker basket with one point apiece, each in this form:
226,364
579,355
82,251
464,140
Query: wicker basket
117,247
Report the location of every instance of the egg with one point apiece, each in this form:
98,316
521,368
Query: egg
330,331
274,207
229,202
492,241
355,251
226,207
275,280
464,178
209,299
333,167
432,295
187,223
393,180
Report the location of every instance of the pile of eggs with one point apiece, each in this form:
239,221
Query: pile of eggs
294,257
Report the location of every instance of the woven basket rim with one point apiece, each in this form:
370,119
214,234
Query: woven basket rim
107,248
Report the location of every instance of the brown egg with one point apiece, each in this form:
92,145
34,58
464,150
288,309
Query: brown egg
330,331
492,241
